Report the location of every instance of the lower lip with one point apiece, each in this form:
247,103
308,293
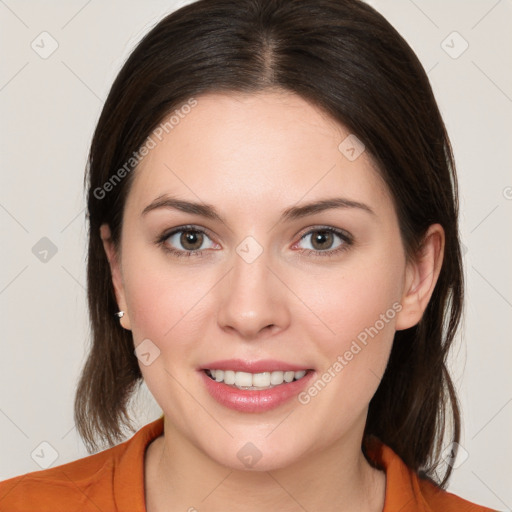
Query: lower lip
255,400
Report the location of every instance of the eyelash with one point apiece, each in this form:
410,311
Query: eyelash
345,237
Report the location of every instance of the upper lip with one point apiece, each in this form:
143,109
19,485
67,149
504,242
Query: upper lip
264,365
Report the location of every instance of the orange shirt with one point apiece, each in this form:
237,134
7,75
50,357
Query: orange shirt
113,480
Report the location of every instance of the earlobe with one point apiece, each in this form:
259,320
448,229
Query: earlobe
421,277
115,271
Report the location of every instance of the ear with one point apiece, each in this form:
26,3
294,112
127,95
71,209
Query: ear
115,270
421,277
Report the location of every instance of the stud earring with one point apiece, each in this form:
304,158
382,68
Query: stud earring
120,314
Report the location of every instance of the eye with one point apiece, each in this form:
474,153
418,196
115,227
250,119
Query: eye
322,241
190,241
186,241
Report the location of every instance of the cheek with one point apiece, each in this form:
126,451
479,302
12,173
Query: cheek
362,295
358,306
354,361
163,298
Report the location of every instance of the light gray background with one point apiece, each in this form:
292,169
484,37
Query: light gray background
48,110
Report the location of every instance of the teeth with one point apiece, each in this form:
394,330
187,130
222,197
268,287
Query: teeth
245,380
229,377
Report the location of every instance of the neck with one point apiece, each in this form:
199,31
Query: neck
338,478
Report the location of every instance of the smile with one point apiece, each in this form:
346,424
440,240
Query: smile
254,381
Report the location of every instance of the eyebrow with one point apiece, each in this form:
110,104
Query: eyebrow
292,213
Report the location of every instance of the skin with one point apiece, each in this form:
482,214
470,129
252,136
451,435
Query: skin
252,156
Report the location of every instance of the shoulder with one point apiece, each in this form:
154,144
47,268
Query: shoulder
67,485
440,500
98,482
407,492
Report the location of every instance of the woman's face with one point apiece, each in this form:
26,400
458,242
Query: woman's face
269,280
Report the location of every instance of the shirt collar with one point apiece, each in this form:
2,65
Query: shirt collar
129,477
403,491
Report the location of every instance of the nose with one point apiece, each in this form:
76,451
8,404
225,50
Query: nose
253,301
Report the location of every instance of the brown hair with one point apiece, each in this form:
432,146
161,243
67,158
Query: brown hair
347,59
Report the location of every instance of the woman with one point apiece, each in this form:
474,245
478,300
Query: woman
274,250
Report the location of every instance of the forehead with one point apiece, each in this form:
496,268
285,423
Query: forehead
250,149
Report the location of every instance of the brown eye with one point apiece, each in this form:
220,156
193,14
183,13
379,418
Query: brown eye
191,240
322,240
326,241
187,241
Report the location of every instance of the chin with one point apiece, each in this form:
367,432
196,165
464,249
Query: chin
244,454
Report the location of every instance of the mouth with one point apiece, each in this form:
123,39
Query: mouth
255,381
251,386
